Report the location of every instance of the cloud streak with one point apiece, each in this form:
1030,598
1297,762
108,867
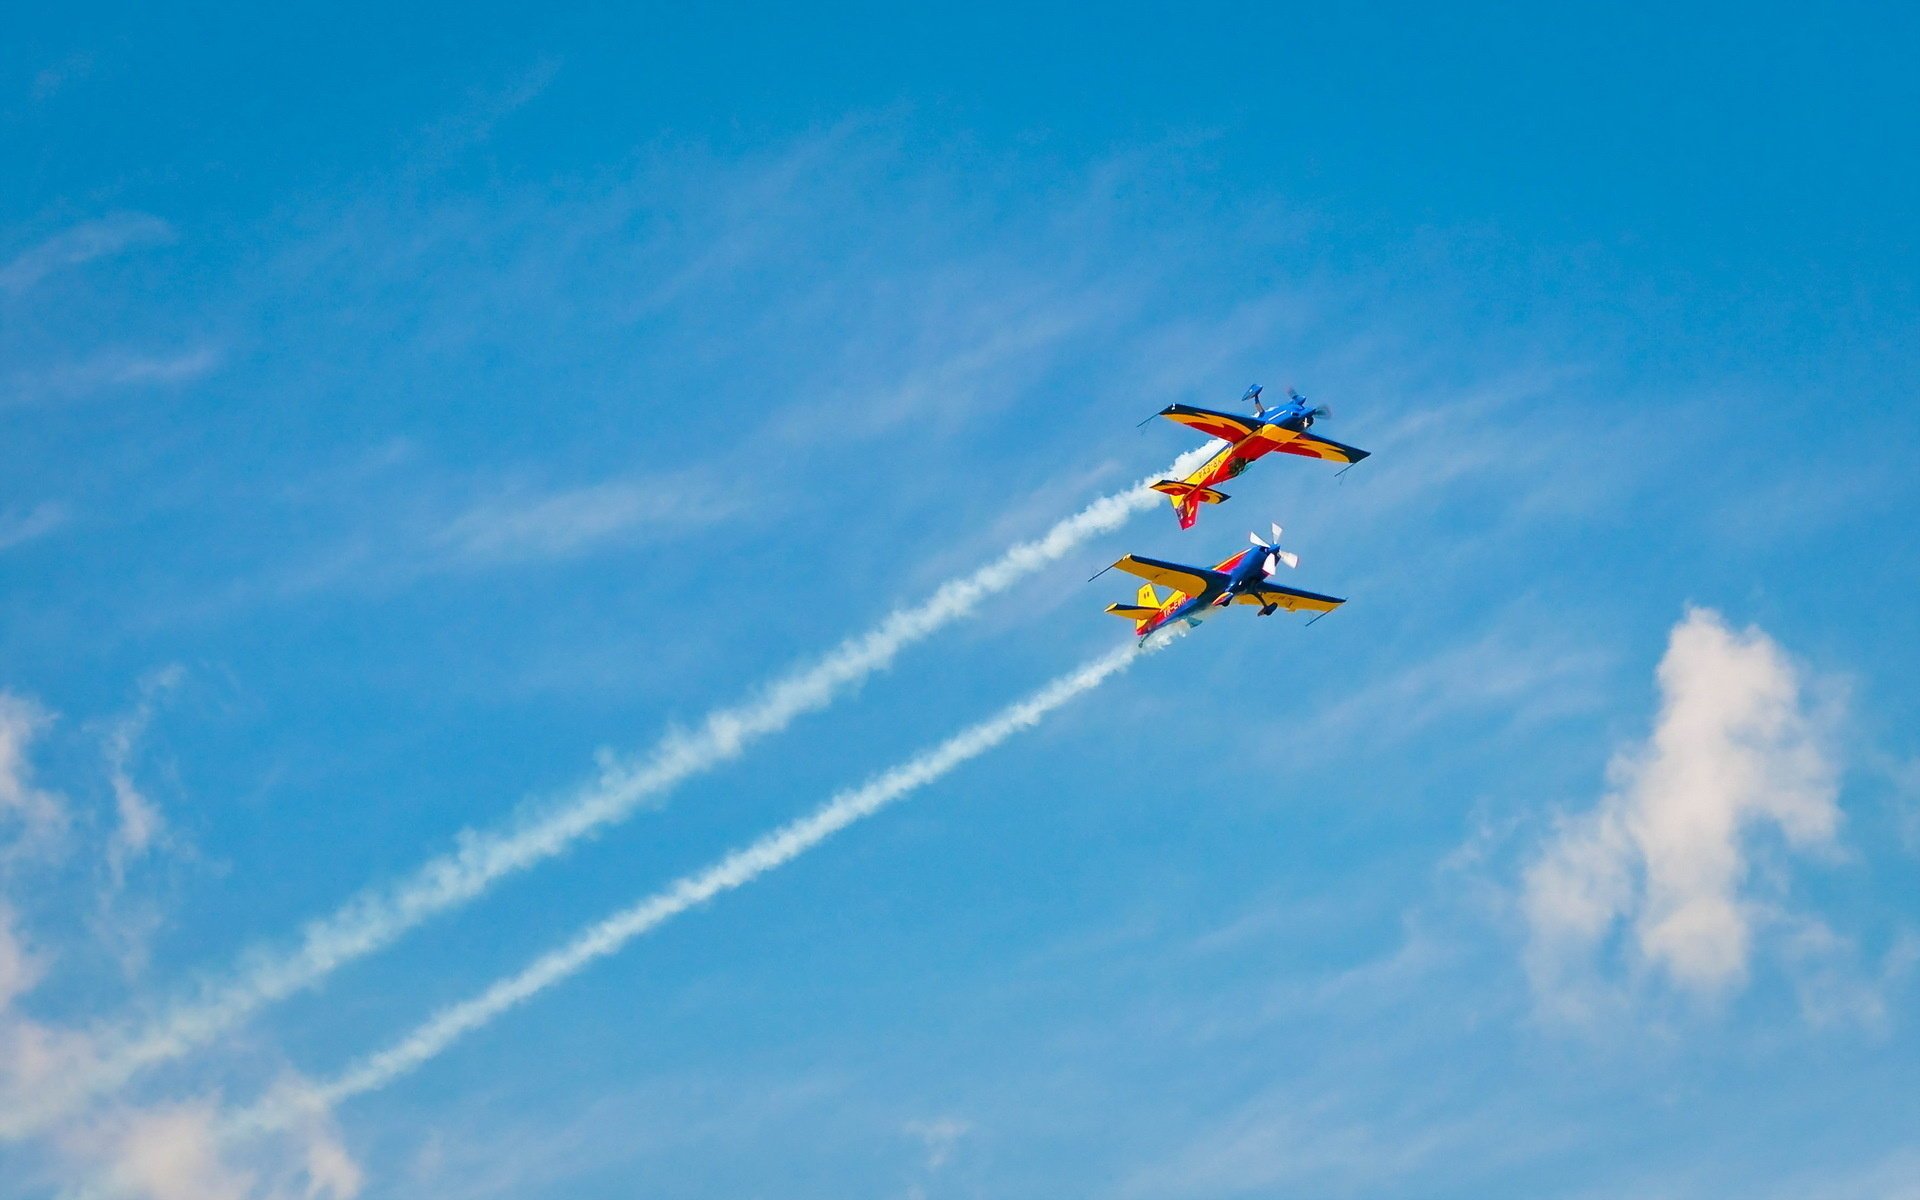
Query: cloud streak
80,245
377,917
736,870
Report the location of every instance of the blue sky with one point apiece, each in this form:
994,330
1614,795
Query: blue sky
413,418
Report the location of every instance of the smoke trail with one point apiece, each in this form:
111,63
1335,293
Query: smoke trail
377,917
737,869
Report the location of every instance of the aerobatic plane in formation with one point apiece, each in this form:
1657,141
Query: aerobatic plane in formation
1285,428
1199,592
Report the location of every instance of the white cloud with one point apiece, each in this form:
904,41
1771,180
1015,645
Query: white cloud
171,1154
1665,857
167,1151
82,244
177,1151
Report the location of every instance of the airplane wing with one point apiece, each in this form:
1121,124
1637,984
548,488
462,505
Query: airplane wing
1230,428
1289,599
1310,445
1225,426
1178,576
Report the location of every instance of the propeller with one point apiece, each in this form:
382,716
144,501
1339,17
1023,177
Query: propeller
1318,413
1275,555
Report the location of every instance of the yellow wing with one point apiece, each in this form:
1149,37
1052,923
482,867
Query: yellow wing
1312,445
1285,436
1289,599
1225,426
1181,578
1132,612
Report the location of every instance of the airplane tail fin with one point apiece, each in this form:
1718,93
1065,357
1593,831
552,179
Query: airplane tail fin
1187,499
1145,608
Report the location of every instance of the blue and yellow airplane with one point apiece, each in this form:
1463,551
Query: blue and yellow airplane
1200,592
1284,429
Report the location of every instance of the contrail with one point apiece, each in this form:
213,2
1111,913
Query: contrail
377,917
737,869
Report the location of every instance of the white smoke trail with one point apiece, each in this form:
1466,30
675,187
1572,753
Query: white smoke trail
737,869
377,917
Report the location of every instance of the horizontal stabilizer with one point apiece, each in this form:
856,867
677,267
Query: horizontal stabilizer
1177,489
1132,612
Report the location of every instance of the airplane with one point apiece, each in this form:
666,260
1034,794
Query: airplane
1200,592
1284,428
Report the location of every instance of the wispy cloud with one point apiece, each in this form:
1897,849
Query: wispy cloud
398,539
941,1136
20,968
736,870
113,369
34,823
475,123
1834,982
1289,1142
1533,676
80,245
168,1151
32,819
1736,748
18,526
139,824
50,81
520,527
120,369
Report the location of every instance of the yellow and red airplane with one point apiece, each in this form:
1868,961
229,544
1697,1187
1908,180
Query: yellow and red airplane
1284,429
1200,592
